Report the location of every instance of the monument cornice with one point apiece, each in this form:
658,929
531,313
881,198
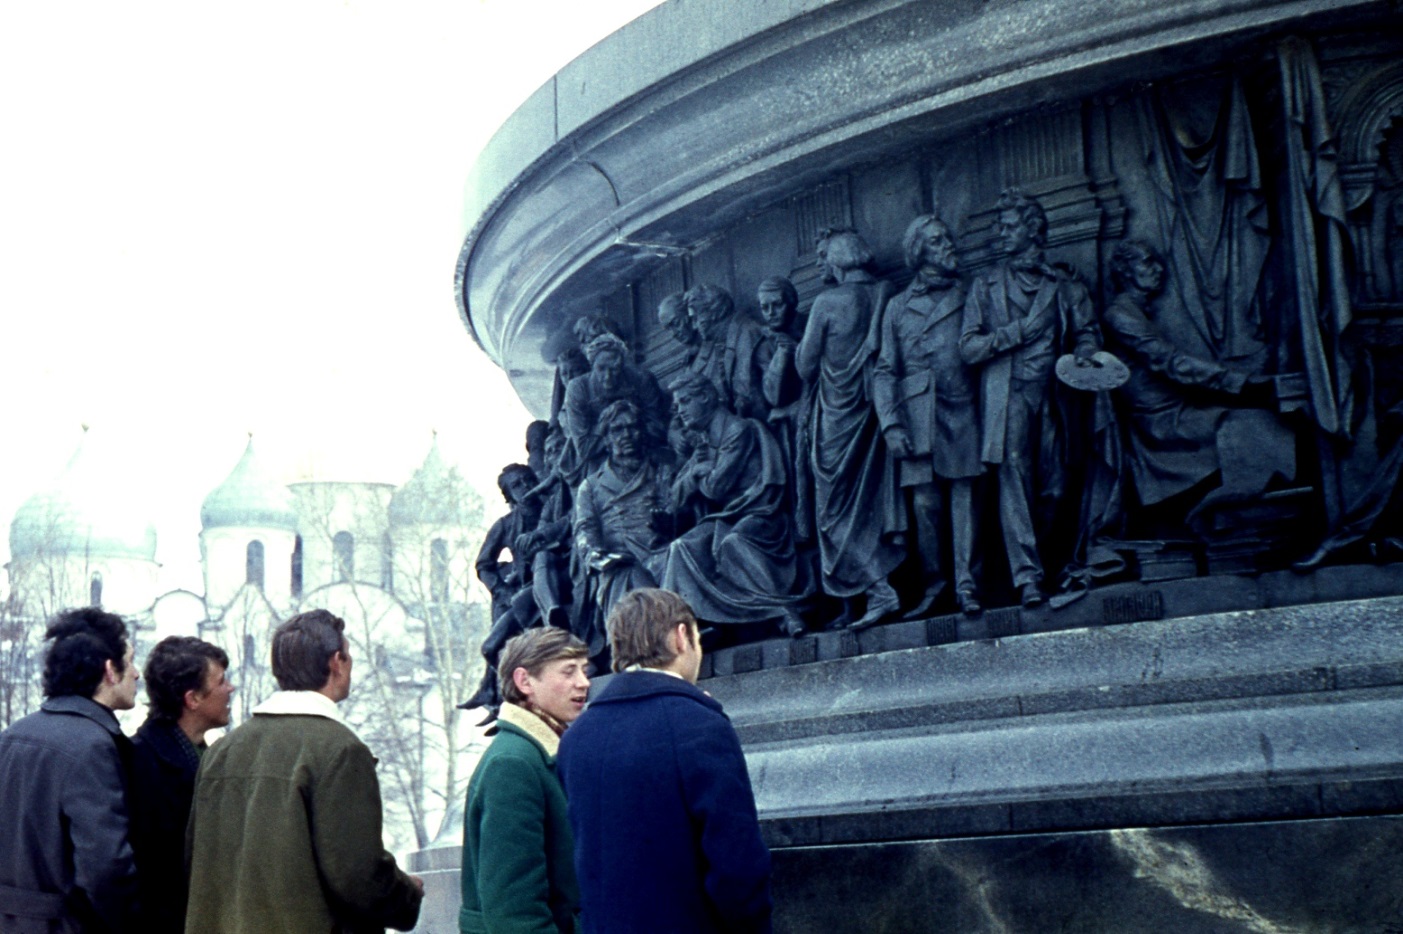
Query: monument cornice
627,157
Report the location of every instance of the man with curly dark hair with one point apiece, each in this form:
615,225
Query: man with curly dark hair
65,861
189,694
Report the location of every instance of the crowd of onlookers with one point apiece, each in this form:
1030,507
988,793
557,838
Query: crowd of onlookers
634,815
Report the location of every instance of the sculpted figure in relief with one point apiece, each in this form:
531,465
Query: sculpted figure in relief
736,563
925,399
617,512
1021,315
509,582
1183,413
726,349
858,516
789,398
611,378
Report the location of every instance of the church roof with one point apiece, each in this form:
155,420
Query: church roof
431,496
82,515
249,497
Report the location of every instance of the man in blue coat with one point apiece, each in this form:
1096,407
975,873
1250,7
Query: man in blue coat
666,835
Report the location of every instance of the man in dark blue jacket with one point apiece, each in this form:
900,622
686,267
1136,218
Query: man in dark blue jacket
666,836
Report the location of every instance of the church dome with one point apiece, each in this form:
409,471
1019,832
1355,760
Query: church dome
431,496
82,514
249,497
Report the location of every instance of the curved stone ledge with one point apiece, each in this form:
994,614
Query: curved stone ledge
1295,711
621,162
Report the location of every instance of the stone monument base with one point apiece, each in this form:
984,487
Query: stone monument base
1224,771
1228,771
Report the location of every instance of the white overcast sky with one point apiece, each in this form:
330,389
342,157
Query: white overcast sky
220,218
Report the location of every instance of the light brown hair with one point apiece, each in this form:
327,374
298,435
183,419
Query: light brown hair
533,650
641,623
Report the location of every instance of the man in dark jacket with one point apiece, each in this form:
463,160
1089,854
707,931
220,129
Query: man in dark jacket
666,835
65,863
189,694
518,872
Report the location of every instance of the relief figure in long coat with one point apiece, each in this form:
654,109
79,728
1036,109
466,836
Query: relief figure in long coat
857,506
925,398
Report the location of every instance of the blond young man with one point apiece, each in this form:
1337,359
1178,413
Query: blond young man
518,870
666,835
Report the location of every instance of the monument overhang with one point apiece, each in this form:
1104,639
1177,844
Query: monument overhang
628,157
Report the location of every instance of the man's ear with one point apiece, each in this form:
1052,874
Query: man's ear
521,678
192,698
110,674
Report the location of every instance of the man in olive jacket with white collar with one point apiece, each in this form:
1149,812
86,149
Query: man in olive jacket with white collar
518,869
285,831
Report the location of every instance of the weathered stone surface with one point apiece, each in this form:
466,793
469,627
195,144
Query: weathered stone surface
1297,876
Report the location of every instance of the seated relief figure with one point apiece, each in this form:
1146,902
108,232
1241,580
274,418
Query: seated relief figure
509,582
611,378
736,563
858,514
617,518
1020,316
1181,412
727,350
925,400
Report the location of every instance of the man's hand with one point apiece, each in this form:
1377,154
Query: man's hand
1083,355
898,441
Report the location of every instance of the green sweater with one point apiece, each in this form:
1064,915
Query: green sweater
518,854
285,834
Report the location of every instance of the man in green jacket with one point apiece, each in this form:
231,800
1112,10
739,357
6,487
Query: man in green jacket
285,831
518,853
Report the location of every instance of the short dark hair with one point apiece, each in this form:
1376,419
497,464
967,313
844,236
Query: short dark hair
303,647
176,665
640,624
84,640
533,650
1030,212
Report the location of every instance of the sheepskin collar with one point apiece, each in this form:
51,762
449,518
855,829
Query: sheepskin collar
532,725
